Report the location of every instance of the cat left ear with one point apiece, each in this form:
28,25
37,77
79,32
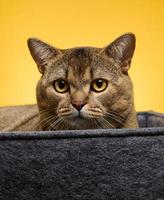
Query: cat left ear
42,53
121,50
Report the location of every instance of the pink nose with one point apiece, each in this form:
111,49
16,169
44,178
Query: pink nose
78,105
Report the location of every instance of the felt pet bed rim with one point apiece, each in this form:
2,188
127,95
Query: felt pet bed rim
127,132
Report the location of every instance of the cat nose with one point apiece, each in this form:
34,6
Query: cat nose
78,105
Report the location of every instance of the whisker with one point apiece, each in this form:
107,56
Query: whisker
101,123
45,120
54,124
45,110
116,118
109,125
95,123
60,124
116,113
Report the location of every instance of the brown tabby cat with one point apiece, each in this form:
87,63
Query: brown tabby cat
80,88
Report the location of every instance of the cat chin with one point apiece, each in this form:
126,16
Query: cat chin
80,122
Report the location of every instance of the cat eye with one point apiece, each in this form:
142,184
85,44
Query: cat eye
61,86
99,85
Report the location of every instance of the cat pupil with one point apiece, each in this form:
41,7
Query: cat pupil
61,84
99,83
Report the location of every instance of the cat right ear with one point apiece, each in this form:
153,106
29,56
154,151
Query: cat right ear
42,53
122,50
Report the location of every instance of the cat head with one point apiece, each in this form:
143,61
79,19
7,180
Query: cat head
84,87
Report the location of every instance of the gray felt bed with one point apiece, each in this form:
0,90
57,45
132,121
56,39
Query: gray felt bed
85,165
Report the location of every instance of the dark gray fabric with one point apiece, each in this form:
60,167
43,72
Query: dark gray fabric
150,119
84,165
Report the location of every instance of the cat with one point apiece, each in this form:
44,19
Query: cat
79,88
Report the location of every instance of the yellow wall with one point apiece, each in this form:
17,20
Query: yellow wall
69,23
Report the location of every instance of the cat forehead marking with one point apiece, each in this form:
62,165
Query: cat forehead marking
79,80
79,63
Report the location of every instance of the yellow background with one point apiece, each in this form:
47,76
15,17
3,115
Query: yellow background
69,23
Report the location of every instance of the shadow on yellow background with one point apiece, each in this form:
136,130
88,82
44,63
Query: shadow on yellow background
69,23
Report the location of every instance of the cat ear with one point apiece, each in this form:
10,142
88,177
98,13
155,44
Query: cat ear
42,53
121,50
